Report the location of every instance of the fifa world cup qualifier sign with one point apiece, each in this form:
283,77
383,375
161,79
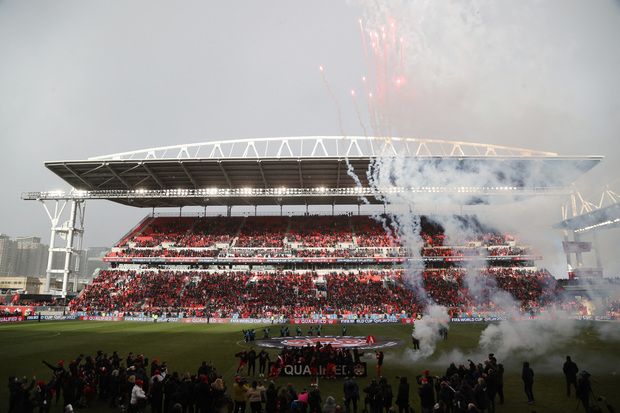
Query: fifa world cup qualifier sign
304,370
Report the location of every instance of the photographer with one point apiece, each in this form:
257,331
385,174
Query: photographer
584,389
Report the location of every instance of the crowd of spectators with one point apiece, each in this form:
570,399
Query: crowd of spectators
510,250
367,293
465,290
308,231
341,292
208,232
165,252
450,252
297,294
613,308
266,251
309,236
263,232
319,231
258,253
439,239
131,291
371,233
244,294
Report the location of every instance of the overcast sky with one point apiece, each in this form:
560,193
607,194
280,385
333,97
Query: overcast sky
86,78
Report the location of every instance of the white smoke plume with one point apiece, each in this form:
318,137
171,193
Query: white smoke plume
528,338
427,331
513,342
608,331
456,52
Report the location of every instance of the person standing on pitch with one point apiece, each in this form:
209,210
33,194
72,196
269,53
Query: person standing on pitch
263,359
379,356
251,362
351,394
527,375
570,370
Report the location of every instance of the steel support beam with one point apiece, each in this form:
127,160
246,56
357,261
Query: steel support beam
68,168
69,247
301,176
262,174
189,175
117,176
152,175
219,163
338,175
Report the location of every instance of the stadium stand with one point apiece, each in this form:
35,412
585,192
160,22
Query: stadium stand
306,266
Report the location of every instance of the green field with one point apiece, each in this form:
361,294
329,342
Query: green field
184,346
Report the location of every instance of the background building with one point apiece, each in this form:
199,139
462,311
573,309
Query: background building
22,256
8,255
27,285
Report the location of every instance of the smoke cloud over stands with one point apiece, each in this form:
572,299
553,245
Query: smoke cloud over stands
516,74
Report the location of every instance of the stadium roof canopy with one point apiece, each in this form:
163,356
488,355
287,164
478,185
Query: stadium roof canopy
295,170
603,218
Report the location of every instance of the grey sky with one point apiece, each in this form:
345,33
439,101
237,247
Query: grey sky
80,79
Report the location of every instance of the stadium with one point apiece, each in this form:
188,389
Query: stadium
292,245
335,206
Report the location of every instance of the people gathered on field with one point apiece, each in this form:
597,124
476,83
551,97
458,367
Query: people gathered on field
135,383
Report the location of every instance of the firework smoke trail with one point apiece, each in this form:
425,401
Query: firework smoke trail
387,60
350,168
386,48
334,98
363,37
401,55
372,113
357,112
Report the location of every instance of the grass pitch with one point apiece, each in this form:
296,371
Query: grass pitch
184,346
